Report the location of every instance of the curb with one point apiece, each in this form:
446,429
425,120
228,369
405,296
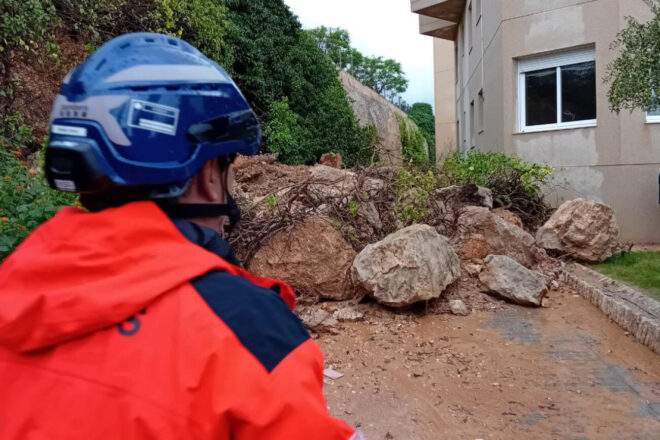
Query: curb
632,310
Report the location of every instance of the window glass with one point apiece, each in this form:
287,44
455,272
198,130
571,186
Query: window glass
578,92
541,97
655,112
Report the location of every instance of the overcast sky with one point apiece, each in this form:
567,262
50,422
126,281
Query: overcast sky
378,27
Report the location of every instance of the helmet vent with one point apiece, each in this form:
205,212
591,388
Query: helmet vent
100,65
139,88
150,40
125,46
173,42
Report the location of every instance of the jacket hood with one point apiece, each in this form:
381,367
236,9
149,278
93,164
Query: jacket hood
82,272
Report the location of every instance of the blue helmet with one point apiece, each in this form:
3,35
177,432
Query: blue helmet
145,110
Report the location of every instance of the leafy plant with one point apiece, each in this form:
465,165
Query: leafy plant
413,188
517,185
25,197
634,76
272,202
422,115
413,144
353,208
25,24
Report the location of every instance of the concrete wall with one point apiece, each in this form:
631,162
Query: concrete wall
445,97
617,161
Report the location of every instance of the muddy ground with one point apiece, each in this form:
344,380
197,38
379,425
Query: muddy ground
562,372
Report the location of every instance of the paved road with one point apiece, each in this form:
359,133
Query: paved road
563,372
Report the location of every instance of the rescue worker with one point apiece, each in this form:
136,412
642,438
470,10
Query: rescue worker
128,320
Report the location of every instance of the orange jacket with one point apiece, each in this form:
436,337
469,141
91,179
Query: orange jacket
115,326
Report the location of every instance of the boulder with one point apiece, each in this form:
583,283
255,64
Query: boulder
369,212
506,277
313,258
509,216
331,160
371,109
451,200
329,183
475,247
413,264
583,229
317,318
502,237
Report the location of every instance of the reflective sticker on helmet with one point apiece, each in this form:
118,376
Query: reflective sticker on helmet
65,185
67,130
153,117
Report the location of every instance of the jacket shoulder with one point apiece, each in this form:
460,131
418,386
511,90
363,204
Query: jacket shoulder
258,317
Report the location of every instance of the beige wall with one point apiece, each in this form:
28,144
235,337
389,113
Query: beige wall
445,97
616,162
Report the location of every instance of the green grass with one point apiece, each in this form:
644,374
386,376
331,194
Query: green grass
639,269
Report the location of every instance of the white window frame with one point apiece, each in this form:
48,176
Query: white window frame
557,61
652,119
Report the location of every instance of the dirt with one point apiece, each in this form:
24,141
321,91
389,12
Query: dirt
505,372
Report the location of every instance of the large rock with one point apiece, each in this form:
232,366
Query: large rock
509,216
507,278
448,202
583,229
328,183
313,258
371,109
413,264
502,237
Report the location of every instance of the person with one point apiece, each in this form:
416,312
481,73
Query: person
131,319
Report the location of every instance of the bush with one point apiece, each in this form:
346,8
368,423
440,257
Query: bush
517,185
284,134
413,188
413,144
422,115
25,197
25,24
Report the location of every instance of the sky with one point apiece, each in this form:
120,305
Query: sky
382,28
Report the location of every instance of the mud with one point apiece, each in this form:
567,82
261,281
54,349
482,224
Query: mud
562,372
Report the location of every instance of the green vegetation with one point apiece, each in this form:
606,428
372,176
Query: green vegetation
413,145
517,185
25,24
25,197
385,76
422,115
639,269
412,191
634,77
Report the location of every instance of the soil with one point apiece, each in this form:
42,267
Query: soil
505,372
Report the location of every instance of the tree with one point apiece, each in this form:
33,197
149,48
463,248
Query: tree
422,115
385,76
634,77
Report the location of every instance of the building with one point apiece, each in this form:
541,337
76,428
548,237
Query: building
525,77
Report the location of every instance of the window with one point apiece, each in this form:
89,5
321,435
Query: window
557,91
653,116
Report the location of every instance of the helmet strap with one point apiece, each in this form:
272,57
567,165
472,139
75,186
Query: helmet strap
184,211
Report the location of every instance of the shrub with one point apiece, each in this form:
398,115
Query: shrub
25,197
284,134
422,115
25,24
517,185
412,191
413,144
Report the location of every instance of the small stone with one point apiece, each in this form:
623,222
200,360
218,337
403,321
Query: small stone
458,307
473,269
348,314
554,285
332,374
